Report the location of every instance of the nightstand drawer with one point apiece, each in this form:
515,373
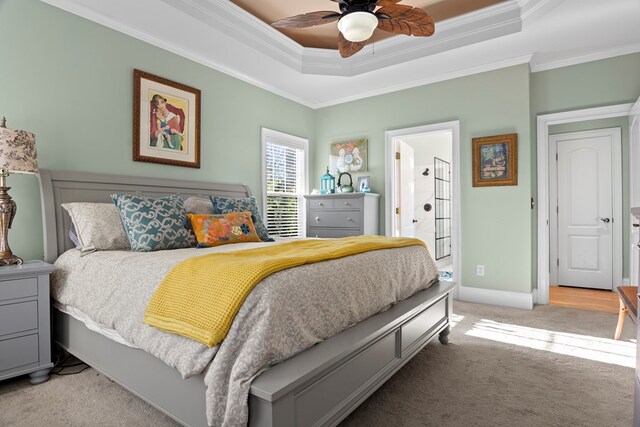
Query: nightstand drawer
348,203
18,317
335,219
20,288
320,204
18,352
332,232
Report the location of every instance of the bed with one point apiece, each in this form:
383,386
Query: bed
319,386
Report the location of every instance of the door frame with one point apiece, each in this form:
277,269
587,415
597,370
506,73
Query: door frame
390,183
616,171
543,123
634,153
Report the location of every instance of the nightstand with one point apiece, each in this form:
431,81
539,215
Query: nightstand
25,331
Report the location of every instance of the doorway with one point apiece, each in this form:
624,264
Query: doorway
423,190
585,192
544,123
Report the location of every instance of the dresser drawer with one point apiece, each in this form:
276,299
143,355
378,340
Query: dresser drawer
326,232
320,204
18,317
348,203
17,352
20,288
337,219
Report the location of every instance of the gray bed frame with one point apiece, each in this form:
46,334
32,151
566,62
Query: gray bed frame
319,386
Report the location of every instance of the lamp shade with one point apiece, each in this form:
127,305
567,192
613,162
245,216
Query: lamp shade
17,150
358,26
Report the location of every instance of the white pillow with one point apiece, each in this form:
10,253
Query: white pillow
98,226
198,205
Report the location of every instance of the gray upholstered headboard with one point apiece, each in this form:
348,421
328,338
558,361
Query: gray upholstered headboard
64,187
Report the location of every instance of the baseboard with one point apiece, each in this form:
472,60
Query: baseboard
494,297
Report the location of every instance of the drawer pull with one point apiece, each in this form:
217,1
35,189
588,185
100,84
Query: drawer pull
349,219
346,203
318,218
320,204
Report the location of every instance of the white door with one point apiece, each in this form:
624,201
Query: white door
585,196
634,200
406,194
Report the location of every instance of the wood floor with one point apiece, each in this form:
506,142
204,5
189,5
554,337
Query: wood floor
584,299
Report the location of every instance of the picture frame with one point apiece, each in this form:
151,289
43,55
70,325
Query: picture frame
364,181
166,121
349,156
495,160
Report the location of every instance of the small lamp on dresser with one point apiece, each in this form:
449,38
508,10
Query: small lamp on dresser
17,155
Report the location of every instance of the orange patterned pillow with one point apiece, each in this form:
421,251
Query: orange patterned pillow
222,229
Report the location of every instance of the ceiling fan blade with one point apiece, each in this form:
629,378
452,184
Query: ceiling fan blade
348,48
407,20
307,19
384,3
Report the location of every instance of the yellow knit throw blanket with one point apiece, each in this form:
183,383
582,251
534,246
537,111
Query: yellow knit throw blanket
201,296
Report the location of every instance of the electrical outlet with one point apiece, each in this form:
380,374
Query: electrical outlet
479,270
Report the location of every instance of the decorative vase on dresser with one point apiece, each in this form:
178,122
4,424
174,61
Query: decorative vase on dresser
342,215
25,331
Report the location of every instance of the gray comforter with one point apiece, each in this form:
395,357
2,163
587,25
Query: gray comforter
286,313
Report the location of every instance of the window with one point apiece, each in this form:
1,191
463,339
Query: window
285,171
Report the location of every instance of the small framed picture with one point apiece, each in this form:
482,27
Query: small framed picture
364,184
495,160
166,121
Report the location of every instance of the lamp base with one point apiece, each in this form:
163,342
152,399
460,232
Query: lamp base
9,259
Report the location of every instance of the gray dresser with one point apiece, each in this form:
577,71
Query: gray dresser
25,332
342,215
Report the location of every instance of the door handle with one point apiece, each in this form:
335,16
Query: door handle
605,220
636,225
415,220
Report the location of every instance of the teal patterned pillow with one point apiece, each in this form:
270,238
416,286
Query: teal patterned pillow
227,205
155,223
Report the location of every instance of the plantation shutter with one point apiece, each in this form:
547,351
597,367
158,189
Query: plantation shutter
285,186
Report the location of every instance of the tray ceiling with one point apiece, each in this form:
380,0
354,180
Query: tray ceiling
221,35
326,36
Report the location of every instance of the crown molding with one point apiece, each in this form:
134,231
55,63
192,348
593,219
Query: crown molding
220,35
538,65
430,80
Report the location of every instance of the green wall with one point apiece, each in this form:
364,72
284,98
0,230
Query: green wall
70,81
623,124
486,104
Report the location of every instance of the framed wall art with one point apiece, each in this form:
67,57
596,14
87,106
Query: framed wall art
495,160
349,156
166,121
364,184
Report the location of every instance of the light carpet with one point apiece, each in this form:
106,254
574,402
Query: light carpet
551,366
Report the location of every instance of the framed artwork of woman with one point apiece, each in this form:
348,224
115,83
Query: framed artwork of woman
166,121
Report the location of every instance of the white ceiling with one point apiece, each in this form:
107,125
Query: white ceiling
544,33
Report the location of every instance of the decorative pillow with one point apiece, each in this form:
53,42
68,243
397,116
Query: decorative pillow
222,229
225,205
154,223
198,205
97,227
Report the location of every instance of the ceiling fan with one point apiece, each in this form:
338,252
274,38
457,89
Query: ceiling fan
358,19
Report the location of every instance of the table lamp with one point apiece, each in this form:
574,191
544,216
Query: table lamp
17,155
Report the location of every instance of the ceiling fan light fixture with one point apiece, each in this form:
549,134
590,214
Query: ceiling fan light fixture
358,26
